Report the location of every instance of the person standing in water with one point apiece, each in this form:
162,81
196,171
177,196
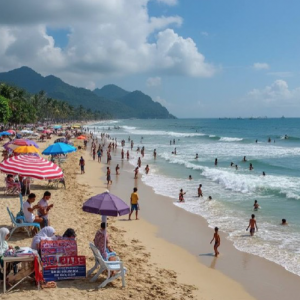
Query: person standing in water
200,191
252,225
250,167
147,169
216,162
255,205
181,195
154,153
217,239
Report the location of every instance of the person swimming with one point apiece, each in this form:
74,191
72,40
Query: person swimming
196,156
190,177
284,222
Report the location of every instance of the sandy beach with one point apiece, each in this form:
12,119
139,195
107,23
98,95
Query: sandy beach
164,258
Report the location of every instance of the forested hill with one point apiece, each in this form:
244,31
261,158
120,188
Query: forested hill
110,99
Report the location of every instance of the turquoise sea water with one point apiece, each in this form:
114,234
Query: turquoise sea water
233,191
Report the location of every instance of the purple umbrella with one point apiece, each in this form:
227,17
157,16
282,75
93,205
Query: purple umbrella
106,204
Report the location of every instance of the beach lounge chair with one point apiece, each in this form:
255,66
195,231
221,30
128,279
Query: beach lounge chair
110,266
23,224
12,188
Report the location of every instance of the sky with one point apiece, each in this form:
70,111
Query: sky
199,58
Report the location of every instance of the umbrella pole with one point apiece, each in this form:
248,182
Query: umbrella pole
104,219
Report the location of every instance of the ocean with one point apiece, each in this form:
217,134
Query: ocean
233,191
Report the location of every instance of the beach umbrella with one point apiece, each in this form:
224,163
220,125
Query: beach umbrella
57,126
11,131
5,133
81,137
40,128
24,142
47,131
106,204
27,131
26,150
31,166
59,148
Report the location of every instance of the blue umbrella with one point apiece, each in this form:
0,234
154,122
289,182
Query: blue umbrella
5,133
59,148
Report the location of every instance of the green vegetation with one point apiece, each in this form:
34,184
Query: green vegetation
4,110
19,107
111,100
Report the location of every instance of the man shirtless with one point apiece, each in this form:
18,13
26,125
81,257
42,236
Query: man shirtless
252,225
108,176
217,239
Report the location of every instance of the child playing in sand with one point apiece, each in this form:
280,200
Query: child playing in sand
217,239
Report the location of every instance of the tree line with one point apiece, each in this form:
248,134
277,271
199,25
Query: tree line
19,107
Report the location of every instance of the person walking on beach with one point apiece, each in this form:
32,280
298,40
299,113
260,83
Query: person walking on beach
252,225
217,239
99,153
136,172
82,164
181,195
200,191
117,169
128,155
108,177
134,199
122,154
94,153
139,162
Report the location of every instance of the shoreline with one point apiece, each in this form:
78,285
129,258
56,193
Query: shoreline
257,275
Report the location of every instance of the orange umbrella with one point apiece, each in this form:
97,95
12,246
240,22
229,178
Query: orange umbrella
26,150
81,137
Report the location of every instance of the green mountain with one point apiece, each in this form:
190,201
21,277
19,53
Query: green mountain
109,99
111,91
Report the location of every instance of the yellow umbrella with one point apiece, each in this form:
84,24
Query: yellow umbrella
27,150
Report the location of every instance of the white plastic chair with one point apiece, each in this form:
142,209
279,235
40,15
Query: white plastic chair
110,266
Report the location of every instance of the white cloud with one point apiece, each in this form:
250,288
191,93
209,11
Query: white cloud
106,38
91,85
168,2
276,94
261,66
204,33
162,101
153,81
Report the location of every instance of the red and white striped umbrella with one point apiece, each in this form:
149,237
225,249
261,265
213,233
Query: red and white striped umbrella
31,166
